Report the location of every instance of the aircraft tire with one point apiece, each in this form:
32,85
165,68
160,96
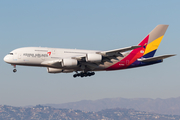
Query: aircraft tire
14,70
74,75
82,75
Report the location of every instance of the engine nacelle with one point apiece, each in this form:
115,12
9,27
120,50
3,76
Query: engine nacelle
67,71
69,63
54,70
93,58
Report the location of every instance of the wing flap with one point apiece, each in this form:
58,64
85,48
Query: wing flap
155,58
117,51
79,57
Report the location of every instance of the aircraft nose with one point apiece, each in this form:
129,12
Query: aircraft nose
6,58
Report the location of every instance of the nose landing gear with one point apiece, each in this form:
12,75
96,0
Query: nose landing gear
83,74
14,70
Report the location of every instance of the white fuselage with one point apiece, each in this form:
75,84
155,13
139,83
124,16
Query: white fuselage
40,56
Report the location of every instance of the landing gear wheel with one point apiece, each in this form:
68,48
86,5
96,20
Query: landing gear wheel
74,75
14,70
84,74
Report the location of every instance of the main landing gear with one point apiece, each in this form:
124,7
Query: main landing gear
14,70
83,74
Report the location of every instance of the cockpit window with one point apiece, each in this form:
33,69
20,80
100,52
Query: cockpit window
10,53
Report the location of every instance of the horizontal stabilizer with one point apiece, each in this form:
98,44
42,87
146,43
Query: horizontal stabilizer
155,58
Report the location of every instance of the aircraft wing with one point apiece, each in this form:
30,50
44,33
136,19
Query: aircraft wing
154,58
109,53
81,58
117,51
52,63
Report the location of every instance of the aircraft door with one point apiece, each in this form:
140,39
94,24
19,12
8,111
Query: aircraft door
53,52
127,62
19,56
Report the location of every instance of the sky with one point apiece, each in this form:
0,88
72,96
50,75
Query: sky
92,25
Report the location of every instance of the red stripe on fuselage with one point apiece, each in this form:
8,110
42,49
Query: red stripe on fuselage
132,57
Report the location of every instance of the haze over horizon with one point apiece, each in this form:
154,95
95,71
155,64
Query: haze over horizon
92,25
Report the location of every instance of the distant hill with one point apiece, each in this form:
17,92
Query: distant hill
48,113
161,106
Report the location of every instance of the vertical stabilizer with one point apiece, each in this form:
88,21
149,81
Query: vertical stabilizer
149,46
155,37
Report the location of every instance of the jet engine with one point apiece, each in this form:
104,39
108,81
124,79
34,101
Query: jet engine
54,70
93,58
67,71
69,63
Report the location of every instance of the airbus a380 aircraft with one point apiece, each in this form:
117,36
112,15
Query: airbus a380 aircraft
84,62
